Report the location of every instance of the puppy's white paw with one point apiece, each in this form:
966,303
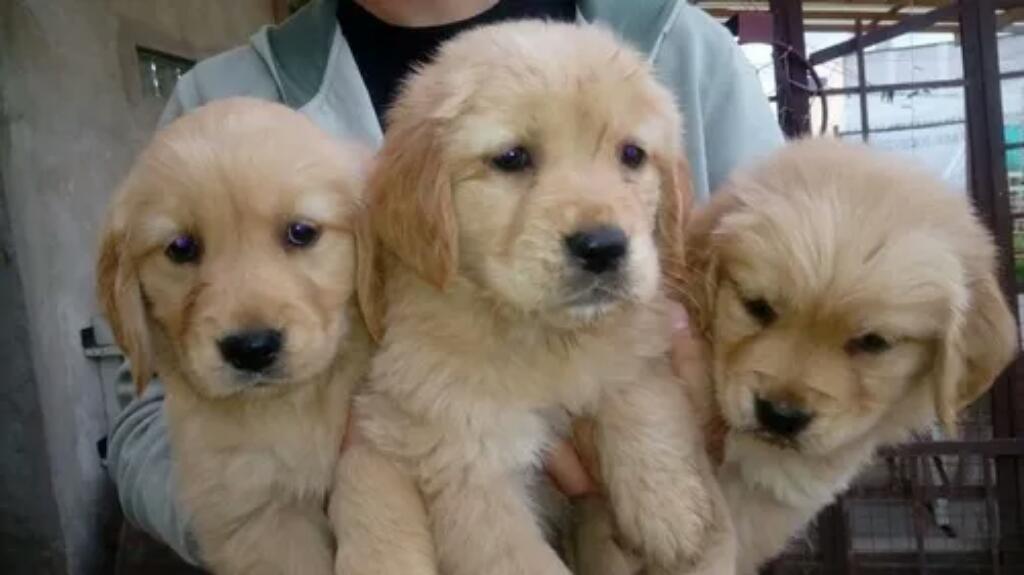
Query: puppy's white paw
669,526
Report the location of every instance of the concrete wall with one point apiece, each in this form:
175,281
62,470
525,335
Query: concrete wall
70,125
30,539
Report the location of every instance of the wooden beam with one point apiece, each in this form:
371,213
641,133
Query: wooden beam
876,5
872,17
849,27
789,54
1010,17
894,11
915,23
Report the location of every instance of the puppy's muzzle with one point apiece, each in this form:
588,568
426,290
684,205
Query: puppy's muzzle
781,418
598,250
251,351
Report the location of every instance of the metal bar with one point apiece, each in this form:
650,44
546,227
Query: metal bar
832,539
897,87
813,12
1013,146
990,447
843,551
882,494
1014,534
793,103
908,24
991,194
839,26
903,563
922,85
890,13
988,174
862,79
909,127
990,513
917,507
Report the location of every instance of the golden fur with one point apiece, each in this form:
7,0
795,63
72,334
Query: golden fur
488,328
254,453
840,241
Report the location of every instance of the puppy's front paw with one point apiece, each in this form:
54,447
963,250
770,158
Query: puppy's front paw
667,523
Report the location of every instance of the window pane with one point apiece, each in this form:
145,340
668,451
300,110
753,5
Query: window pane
916,57
927,124
1011,48
760,57
838,73
1013,110
843,116
159,72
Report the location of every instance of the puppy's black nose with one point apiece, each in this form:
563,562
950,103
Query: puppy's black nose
781,418
253,350
599,249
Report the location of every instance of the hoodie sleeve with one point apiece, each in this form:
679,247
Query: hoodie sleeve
727,119
140,464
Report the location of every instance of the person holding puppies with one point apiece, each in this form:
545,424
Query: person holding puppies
327,63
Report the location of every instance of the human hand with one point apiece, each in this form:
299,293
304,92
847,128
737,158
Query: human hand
689,352
351,433
568,471
691,363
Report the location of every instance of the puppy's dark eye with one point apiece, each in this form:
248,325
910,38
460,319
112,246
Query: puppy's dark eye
515,159
870,342
632,156
760,310
183,249
301,234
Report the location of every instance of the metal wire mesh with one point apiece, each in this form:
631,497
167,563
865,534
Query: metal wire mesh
921,512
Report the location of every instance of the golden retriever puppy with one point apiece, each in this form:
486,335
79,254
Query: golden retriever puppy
228,267
527,187
848,299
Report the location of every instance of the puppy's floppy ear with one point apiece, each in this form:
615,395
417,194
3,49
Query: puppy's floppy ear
980,344
369,277
674,205
411,210
120,295
699,278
